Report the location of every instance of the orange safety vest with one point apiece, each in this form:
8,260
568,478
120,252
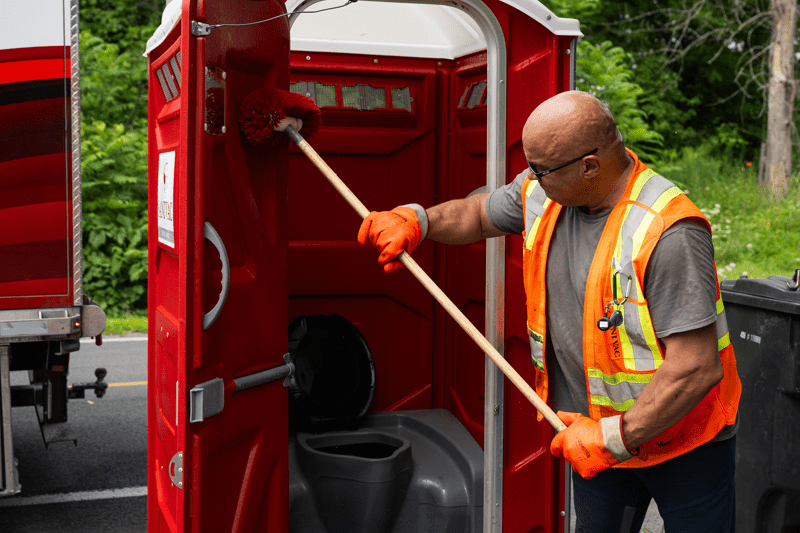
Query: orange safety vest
620,362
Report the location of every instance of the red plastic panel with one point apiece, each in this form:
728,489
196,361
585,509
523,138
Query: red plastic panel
387,157
35,179
235,473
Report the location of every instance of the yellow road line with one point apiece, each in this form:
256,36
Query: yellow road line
127,384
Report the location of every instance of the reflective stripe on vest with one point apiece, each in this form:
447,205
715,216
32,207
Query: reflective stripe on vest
537,348
535,206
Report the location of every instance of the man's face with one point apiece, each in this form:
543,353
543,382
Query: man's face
565,185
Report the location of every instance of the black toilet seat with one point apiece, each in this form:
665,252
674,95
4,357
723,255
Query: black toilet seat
334,380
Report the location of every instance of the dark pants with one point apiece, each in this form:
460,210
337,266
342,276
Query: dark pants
695,492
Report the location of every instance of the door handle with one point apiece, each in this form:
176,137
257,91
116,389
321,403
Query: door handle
213,237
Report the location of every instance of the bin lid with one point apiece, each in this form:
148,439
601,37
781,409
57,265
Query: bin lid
334,380
769,293
404,30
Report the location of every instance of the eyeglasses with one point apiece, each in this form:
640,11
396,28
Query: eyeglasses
549,170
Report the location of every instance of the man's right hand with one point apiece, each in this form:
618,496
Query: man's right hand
391,232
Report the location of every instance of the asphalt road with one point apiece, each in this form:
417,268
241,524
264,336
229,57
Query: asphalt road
101,484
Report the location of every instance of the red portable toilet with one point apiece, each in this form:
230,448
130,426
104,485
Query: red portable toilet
412,100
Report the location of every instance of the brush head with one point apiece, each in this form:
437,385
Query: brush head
262,111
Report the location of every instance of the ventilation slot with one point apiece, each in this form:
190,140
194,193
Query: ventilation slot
476,96
323,95
170,81
176,70
363,97
163,84
401,98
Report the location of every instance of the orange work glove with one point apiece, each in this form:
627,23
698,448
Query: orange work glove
589,446
391,232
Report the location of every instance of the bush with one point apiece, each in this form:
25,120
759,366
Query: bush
114,166
603,71
752,233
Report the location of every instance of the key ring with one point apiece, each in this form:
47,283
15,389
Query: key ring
607,322
618,270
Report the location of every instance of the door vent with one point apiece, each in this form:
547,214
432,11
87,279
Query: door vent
169,77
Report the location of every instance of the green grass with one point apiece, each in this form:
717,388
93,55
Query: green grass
752,233
125,324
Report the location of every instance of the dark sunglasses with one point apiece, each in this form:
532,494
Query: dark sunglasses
549,170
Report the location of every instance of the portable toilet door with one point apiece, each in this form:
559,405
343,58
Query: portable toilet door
424,103
217,299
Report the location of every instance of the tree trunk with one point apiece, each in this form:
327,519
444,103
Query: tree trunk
781,95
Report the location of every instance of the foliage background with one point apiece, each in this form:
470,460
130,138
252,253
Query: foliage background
672,72
114,150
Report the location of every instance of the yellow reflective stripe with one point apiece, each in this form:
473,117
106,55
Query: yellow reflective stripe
724,342
619,377
720,306
666,198
649,331
640,181
608,402
535,227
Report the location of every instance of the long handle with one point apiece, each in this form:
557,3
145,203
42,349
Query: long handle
431,286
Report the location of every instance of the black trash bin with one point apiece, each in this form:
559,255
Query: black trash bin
764,320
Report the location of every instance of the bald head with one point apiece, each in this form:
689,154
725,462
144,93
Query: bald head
568,125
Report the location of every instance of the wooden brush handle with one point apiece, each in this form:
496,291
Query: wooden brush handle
431,286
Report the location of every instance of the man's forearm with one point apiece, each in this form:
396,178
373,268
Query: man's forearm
691,368
461,221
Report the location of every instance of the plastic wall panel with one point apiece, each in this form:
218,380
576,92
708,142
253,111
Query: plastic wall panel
235,473
386,157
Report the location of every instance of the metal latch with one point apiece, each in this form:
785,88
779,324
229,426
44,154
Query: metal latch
206,399
199,29
176,470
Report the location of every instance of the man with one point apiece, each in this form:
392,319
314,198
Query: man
625,320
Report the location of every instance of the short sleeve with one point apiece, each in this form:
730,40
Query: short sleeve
504,206
680,282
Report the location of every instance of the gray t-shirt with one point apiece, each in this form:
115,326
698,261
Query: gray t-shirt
679,286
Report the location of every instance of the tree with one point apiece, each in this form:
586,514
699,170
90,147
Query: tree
782,92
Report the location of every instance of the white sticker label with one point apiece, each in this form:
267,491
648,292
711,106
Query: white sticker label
166,198
750,337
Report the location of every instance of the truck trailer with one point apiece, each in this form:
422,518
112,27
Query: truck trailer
44,311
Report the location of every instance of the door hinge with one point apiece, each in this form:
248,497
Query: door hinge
176,470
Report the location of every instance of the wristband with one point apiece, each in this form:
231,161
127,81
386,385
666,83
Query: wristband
612,438
422,218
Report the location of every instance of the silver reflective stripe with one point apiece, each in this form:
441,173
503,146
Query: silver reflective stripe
722,325
537,348
633,328
620,389
651,191
534,207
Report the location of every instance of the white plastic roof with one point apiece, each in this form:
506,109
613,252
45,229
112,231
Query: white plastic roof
408,30
389,29
169,19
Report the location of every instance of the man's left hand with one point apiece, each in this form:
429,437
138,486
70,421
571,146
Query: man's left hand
589,446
